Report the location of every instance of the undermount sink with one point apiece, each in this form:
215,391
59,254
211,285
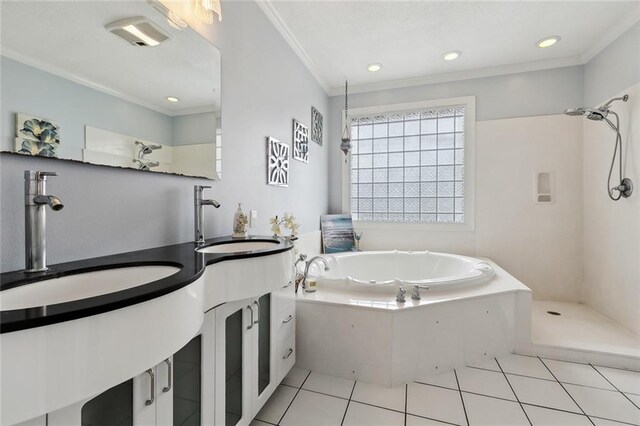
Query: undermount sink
81,286
238,246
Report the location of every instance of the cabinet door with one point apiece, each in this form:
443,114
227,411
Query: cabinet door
234,323
263,351
186,386
115,406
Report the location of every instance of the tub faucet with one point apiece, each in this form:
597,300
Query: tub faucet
308,264
415,294
198,206
35,219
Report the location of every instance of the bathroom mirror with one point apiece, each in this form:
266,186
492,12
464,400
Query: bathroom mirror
123,84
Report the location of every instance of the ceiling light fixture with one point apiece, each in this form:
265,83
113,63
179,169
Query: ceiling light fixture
138,31
172,99
205,9
451,55
374,67
548,41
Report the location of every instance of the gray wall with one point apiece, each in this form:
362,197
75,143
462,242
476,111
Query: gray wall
514,95
614,69
71,105
193,129
264,86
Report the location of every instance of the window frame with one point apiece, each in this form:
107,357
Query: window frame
469,103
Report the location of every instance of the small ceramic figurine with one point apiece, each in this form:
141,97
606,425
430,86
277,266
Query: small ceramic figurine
240,222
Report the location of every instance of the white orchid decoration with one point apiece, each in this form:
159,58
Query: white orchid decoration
288,221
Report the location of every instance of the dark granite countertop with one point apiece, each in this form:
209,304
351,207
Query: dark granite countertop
183,256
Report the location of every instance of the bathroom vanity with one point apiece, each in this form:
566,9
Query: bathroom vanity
205,339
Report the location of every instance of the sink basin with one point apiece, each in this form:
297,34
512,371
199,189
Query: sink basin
238,246
81,286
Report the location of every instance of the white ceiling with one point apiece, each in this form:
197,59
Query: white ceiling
337,39
68,38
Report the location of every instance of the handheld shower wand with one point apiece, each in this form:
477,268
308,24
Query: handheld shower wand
601,113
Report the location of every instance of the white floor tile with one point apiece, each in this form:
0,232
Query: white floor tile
484,382
577,374
489,364
435,403
634,398
546,417
392,398
277,404
446,380
295,377
606,404
314,409
255,422
421,421
366,415
625,381
603,422
524,365
483,410
542,392
335,386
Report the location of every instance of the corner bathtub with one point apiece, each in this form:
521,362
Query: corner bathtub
384,271
353,327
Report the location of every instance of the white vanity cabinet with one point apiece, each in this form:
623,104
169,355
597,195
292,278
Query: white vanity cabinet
249,357
164,395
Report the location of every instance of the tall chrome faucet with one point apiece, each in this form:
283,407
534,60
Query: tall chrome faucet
35,219
198,205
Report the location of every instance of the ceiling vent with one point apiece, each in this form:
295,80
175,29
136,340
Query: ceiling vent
138,31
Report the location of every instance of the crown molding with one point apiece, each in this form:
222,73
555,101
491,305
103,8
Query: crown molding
616,31
67,75
461,75
269,9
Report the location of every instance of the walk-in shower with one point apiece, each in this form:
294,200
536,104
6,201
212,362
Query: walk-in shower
601,113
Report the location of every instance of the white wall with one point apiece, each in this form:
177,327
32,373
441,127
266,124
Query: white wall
264,86
612,229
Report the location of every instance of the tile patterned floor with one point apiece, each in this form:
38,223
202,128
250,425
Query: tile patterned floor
508,391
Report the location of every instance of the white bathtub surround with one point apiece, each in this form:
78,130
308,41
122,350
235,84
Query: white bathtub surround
612,229
469,395
377,340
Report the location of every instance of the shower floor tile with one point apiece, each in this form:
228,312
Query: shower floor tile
580,327
472,395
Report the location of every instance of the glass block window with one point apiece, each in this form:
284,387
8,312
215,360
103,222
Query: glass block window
408,166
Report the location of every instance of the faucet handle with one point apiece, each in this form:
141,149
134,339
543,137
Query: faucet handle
201,187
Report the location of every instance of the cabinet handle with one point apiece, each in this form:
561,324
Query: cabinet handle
288,354
289,318
259,314
168,387
288,285
153,387
250,326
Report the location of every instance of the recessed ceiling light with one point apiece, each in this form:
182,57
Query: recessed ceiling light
374,67
172,99
548,41
451,55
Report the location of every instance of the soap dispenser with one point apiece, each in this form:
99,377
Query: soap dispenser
240,222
